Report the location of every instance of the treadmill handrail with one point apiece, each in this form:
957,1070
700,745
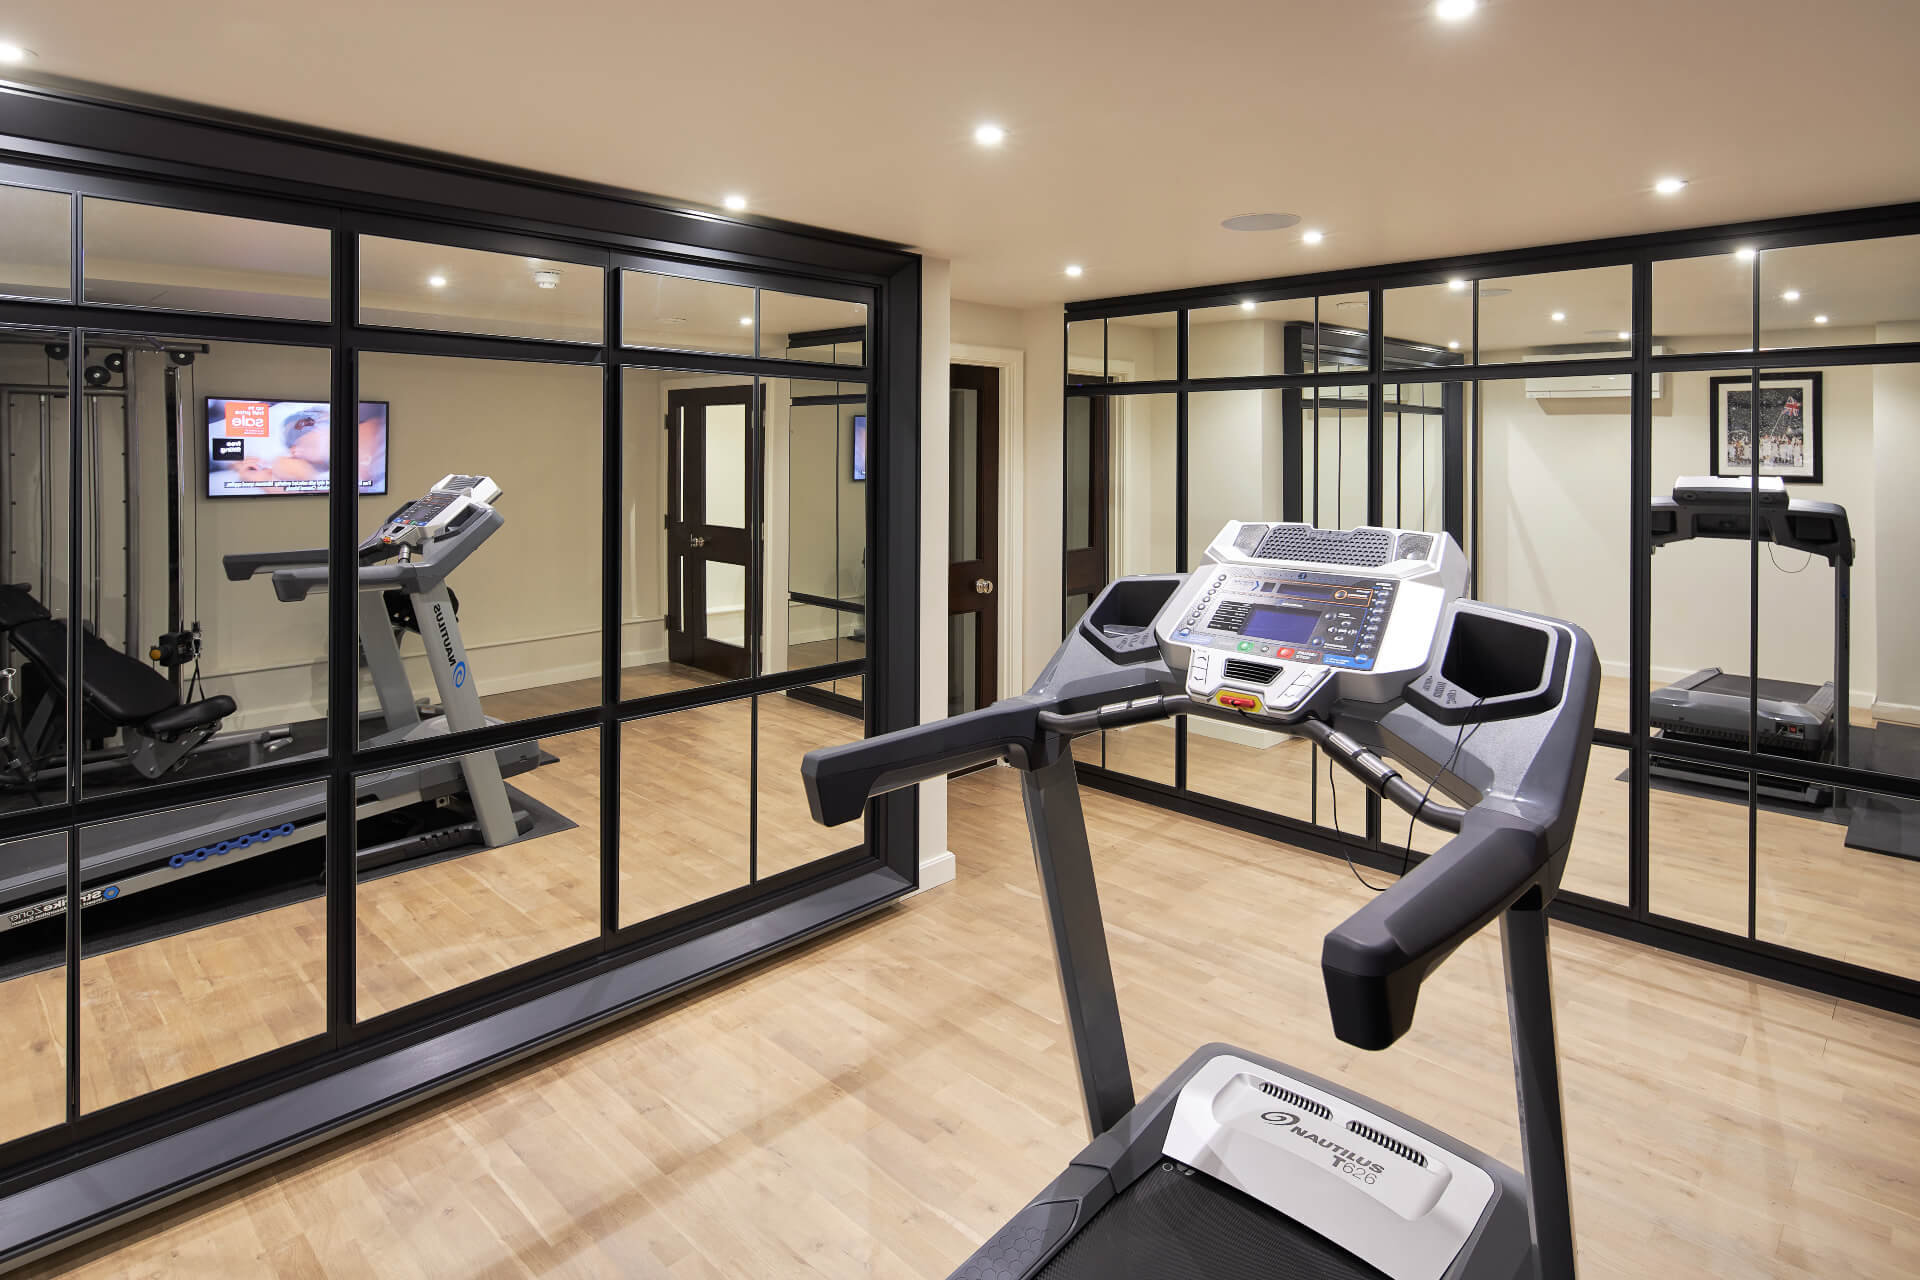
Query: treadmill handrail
241,565
840,780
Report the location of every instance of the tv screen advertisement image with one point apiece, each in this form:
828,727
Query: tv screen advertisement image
264,448
860,446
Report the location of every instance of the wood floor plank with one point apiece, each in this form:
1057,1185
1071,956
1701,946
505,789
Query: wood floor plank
876,1103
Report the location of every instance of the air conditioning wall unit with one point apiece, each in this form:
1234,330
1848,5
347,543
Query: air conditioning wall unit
1588,386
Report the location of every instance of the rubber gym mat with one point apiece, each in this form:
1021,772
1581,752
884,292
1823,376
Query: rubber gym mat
1874,823
245,889
1879,823
1174,1225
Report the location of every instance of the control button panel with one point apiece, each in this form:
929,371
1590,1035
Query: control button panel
1290,615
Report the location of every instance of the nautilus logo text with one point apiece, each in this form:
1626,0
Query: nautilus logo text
1285,1119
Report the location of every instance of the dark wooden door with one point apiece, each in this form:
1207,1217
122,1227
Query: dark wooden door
713,587
1087,469
973,525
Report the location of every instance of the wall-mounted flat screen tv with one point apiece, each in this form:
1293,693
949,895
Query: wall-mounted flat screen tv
273,448
859,446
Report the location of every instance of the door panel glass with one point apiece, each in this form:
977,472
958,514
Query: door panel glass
513,875
524,602
726,465
683,314
726,592
1080,477
36,244
142,255
192,453
35,431
963,662
789,725
685,821
963,477
408,284
203,939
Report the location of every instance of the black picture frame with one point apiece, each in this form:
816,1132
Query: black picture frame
1801,394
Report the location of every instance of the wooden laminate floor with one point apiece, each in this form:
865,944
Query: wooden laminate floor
1811,891
163,1011
878,1103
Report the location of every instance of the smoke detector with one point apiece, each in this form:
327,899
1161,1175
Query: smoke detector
547,279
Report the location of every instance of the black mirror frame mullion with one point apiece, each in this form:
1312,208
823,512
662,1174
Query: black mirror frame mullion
1637,918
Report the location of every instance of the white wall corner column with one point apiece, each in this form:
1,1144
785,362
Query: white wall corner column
1896,526
1043,335
936,337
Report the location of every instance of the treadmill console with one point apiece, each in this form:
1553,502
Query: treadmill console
1287,616
429,516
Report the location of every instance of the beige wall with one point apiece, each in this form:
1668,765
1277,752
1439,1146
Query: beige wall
1555,531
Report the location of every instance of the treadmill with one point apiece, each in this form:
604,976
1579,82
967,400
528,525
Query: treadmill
402,812
1711,706
1238,1166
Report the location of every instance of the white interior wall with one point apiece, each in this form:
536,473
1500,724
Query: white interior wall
1555,530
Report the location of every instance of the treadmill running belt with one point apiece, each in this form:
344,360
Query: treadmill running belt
1770,690
1175,1226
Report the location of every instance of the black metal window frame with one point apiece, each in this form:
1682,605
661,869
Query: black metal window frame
1636,918
54,1184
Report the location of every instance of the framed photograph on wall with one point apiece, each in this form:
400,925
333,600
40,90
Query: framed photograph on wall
1785,429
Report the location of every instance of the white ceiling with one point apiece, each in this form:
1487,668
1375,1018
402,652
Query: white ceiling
1133,128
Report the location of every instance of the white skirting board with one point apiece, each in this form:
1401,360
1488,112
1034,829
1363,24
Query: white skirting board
935,871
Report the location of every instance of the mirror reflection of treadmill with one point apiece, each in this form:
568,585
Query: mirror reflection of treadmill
1787,718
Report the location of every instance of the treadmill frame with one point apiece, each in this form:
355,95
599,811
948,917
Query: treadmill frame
1127,1139
1680,518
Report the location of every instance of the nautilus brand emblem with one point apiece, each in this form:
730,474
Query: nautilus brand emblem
1285,1119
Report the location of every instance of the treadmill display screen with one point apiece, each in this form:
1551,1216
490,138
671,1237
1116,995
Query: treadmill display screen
1284,626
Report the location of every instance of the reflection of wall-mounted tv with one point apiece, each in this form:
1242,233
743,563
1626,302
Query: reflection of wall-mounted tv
859,446
262,448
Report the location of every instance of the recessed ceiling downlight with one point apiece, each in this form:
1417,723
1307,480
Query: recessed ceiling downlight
1454,10
12,53
1261,221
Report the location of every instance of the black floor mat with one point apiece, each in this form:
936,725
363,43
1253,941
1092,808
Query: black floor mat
1883,824
1874,823
247,888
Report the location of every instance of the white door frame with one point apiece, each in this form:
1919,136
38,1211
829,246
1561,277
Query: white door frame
1012,364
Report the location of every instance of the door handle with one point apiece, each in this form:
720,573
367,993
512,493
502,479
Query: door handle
696,542
982,586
